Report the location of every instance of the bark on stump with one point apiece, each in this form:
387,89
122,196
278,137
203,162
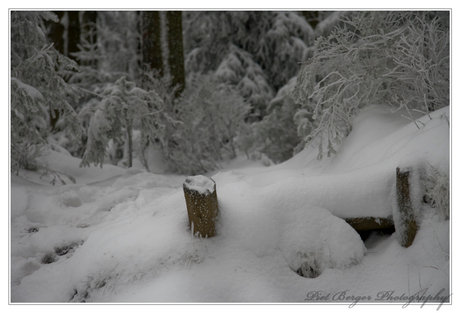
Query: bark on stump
202,206
407,221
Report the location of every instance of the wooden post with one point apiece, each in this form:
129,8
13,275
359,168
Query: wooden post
202,206
407,223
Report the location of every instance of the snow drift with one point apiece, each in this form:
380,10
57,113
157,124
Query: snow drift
127,239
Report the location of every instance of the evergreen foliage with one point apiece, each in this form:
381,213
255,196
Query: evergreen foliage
124,107
210,115
108,50
275,136
397,58
257,51
89,55
283,46
239,69
37,89
254,54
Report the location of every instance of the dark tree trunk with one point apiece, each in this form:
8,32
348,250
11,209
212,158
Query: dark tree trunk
56,36
73,34
176,49
151,41
139,34
56,32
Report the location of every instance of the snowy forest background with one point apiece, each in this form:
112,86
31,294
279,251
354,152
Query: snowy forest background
203,86
223,88
304,120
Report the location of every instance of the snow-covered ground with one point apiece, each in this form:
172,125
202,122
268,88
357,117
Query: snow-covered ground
122,235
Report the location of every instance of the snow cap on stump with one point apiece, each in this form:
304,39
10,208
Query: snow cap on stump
201,184
202,206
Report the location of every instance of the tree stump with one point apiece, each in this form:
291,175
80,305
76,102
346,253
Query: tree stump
202,206
407,223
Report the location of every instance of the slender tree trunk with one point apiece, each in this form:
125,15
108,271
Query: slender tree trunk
129,135
176,49
73,34
139,33
56,36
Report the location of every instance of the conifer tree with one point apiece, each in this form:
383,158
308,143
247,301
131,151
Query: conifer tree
88,39
256,51
123,108
209,117
37,90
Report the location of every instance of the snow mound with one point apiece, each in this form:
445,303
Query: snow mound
264,222
155,241
314,240
68,167
123,235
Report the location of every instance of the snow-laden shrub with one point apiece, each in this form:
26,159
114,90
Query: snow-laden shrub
37,90
436,183
276,134
124,107
108,50
162,84
210,115
330,22
396,58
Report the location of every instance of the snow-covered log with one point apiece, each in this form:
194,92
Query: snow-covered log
202,206
406,221
369,223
